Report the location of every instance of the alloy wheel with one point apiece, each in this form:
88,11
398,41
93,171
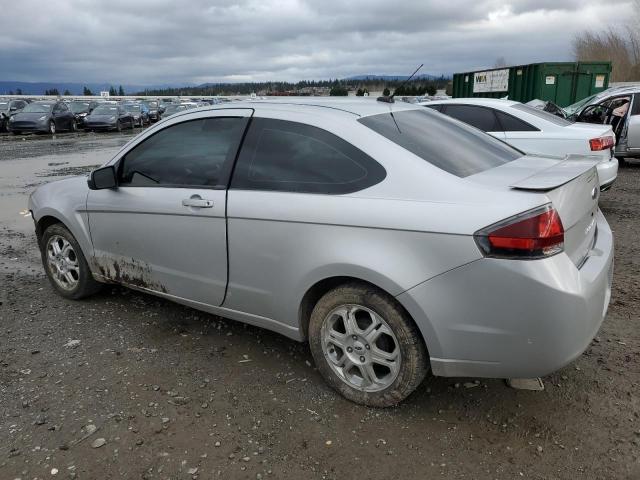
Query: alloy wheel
361,348
62,262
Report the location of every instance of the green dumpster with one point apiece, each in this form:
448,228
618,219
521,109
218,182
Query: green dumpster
563,83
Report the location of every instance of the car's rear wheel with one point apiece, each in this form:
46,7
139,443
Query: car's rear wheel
366,346
16,132
622,161
65,264
118,126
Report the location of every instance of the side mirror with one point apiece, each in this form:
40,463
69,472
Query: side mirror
102,178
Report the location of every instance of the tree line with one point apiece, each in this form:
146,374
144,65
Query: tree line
619,44
306,87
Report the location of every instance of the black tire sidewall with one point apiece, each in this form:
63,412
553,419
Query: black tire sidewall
415,360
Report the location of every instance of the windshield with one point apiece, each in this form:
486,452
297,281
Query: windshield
105,110
571,109
132,108
79,107
549,117
174,108
3,105
151,104
38,108
442,141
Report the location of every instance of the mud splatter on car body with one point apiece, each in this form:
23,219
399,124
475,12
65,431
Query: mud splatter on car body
127,271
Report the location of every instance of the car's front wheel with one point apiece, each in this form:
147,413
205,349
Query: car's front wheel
52,127
366,346
65,264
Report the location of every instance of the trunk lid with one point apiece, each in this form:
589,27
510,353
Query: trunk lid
570,184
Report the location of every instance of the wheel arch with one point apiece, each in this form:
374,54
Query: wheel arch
321,287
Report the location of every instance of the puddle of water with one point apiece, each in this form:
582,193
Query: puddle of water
21,176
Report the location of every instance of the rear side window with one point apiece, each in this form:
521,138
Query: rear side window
479,117
437,108
193,153
549,117
450,145
293,157
509,123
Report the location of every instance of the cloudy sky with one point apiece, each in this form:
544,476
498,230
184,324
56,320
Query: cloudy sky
196,41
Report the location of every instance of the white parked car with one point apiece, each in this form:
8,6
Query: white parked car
535,131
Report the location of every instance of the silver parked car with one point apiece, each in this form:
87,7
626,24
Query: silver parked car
393,239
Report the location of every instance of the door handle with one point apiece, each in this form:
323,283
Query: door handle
197,202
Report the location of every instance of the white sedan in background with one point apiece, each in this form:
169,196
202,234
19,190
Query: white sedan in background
535,131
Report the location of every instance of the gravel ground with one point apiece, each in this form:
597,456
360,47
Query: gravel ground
126,385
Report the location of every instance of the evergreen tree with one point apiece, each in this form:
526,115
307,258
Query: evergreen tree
86,91
386,92
67,92
121,91
112,92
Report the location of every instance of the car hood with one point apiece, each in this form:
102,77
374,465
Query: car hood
29,116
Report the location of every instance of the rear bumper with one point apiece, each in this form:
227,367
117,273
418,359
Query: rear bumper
505,318
607,172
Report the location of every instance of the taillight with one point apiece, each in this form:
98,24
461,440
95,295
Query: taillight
534,234
601,143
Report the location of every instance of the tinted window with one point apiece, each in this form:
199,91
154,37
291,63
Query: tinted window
293,157
549,117
509,123
479,117
435,107
193,153
452,146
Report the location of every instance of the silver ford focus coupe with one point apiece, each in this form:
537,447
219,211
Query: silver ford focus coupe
396,241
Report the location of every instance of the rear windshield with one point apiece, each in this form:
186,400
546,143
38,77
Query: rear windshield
549,117
442,141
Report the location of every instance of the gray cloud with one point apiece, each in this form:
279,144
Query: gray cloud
161,41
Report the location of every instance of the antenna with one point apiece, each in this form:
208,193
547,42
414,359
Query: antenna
390,99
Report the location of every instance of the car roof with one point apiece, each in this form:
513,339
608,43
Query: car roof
487,102
360,107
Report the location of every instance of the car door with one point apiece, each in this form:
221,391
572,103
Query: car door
631,133
476,116
66,116
523,135
56,116
164,227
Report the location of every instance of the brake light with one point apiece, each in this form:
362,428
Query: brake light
534,234
601,143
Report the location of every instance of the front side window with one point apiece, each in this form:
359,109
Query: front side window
194,153
479,117
293,157
445,143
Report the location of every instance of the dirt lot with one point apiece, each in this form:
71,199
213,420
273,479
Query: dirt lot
125,385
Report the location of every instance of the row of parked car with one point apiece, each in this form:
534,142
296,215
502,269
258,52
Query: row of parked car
51,116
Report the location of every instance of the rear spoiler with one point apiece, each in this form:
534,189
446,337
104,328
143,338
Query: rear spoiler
572,166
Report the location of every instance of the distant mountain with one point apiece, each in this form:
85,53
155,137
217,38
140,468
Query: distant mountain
38,88
391,78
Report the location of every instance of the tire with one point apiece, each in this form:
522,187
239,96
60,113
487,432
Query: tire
118,126
77,281
622,161
74,126
15,132
394,380
52,127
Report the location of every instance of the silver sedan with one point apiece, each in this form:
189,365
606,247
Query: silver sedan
396,241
